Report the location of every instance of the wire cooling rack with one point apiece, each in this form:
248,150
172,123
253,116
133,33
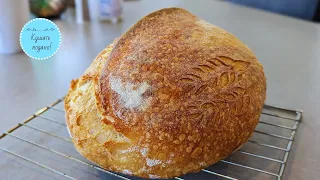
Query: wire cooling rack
40,148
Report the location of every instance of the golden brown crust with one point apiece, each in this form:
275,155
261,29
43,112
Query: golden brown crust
173,95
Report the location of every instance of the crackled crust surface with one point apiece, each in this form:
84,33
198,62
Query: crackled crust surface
173,95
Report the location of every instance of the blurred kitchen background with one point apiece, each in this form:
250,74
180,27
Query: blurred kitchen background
99,9
51,9
304,9
111,11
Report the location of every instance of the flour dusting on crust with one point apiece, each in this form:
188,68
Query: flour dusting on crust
126,171
153,176
153,162
144,151
130,94
132,149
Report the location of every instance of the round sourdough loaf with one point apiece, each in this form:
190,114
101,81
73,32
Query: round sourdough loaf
173,95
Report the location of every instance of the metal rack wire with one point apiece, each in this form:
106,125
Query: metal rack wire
273,118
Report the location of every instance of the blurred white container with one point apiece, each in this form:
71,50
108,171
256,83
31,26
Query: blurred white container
105,10
111,10
82,13
13,15
94,10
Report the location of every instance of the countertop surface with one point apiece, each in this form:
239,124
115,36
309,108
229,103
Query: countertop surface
288,48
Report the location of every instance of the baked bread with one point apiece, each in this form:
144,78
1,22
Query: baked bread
172,95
